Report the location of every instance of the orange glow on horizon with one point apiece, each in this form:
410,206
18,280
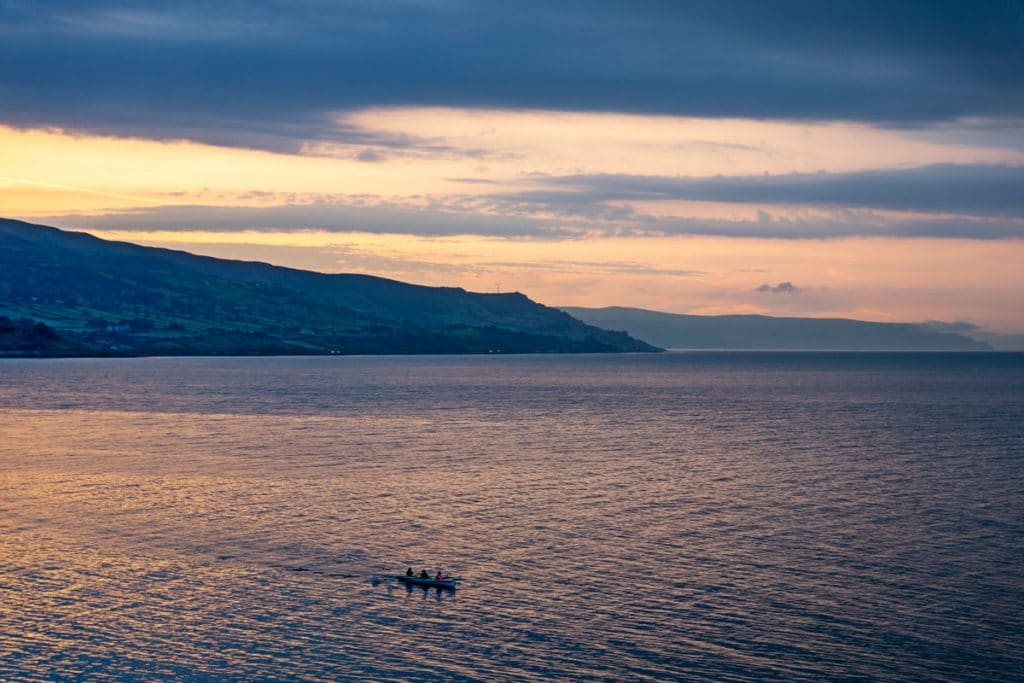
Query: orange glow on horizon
465,166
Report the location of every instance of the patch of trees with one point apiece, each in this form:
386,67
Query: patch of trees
25,333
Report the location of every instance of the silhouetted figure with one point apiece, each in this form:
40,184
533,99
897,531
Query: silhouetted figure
424,574
439,576
408,572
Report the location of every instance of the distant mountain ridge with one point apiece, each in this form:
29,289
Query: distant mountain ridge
116,298
759,332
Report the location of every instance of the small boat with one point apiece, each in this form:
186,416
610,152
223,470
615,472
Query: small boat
447,582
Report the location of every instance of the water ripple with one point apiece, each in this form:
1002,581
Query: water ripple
694,517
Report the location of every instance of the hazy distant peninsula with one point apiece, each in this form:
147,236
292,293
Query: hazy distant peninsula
71,294
752,332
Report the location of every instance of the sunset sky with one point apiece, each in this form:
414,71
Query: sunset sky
842,158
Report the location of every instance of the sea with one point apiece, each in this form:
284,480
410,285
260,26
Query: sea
700,516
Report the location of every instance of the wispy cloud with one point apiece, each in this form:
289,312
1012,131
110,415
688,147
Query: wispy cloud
568,216
333,216
77,188
596,267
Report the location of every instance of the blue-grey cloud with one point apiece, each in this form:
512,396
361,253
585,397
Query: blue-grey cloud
781,288
267,74
981,190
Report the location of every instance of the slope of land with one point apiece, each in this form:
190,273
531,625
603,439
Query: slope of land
97,297
750,332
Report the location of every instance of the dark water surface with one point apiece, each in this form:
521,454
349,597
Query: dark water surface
687,516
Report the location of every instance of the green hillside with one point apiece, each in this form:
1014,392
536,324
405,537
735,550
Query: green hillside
99,297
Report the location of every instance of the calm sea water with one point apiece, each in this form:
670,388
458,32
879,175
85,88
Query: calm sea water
698,516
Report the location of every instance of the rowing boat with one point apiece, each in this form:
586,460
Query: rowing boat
420,581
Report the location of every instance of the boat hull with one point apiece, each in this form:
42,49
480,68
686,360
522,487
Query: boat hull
427,583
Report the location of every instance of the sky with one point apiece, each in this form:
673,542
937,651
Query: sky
849,158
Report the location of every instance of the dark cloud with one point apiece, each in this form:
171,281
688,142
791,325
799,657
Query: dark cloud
842,225
370,155
781,288
980,190
268,74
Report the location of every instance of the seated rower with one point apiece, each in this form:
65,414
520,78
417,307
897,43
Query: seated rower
439,577
424,574
408,572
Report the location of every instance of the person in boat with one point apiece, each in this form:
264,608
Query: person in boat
439,577
424,574
409,572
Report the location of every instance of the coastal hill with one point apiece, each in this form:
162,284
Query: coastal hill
69,293
759,332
